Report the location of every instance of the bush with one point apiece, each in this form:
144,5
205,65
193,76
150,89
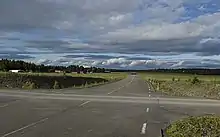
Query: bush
56,85
86,85
173,79
195,80
29,85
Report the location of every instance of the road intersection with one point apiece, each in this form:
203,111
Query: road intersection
128,108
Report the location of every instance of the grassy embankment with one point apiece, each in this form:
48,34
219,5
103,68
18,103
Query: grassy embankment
188,85
56,80
191,86
202,126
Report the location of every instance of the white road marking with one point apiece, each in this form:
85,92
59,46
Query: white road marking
121,87
121,99
149,95
155,122
147,110
25,127
83,104
4,106
207,113
112,92
47,108
143,129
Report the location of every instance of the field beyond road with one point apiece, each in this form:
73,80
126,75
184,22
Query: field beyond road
188,85
56,80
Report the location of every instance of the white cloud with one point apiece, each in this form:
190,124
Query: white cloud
207,40
137,62
205,25
115,26
115,61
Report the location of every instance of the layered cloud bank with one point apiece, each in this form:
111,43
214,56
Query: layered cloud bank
137,34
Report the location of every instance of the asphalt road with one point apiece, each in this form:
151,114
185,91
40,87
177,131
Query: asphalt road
128,108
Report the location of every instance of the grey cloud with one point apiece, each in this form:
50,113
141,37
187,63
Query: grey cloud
15,56
196,64
44,61
89,56
103,57
170,47
10,38
127,63
66,14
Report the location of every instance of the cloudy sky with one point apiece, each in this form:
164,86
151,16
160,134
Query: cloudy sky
135,34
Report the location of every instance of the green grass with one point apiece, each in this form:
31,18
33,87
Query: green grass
201,126
107,76
110,77
185,84
182,77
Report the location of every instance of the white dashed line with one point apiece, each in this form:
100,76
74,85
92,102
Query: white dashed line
143,129
47,108
147,110
83,104
25,127
112,92
4,106
121,87
149,95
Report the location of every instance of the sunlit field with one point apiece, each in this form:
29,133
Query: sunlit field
188,85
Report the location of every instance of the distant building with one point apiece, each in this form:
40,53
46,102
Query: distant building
133,73
107,71
16,71
58,71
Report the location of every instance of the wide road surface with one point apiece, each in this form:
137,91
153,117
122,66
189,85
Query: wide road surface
128,108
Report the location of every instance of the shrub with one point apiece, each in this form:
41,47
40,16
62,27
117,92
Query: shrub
86,85
173,79
56,85
29,85
195,80
201,126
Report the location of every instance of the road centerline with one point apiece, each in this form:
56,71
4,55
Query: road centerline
25,127
5,105
121,87
143,129
147,110
84,103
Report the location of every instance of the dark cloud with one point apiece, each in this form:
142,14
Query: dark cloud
15,56
89,56
149,28
10,38
166,47
53,45
103,57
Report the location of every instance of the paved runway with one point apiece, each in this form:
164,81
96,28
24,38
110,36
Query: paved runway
128,108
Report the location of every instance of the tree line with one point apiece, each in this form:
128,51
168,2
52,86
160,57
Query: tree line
6,65
197,71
